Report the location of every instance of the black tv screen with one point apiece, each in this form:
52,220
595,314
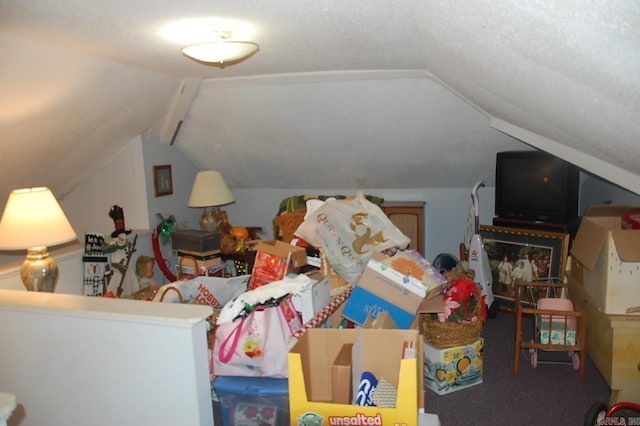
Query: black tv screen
534,185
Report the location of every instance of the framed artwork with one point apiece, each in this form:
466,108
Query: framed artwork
522,255
162,180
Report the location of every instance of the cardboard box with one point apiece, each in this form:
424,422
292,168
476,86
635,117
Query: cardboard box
274,260
341,376
196,240
363,304
605,259
201,265
429,306
337,283
382,320
184,272
314,299
613,344
382,288
201,255
412,263
451,369
310,390
298,255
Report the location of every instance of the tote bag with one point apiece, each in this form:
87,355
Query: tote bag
257,344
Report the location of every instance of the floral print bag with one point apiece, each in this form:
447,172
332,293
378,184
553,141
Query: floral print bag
258,343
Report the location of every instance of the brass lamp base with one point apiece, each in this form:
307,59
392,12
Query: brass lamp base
39,271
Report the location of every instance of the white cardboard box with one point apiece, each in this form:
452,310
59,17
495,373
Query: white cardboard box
314,299
606,260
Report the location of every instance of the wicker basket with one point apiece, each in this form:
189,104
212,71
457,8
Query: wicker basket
448,334
181,276
211,319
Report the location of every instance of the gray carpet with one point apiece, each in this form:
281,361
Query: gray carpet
547,394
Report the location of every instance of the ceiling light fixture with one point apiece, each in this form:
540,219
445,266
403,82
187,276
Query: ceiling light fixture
221,50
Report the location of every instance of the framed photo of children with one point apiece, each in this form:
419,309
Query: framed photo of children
521,255
162,180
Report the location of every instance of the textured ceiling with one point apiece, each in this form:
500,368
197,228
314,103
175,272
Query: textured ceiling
369,93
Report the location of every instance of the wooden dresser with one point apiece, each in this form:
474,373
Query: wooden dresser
408,216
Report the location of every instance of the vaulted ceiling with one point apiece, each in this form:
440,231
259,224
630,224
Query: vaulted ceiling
409,93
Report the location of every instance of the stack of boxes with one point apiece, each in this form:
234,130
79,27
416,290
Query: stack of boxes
198,252
265,400
604,280
326,364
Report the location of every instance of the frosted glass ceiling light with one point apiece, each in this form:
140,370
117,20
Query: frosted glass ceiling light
221,50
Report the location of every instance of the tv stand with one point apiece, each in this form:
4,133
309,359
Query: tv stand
570,228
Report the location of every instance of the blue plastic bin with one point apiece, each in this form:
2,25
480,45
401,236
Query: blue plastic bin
246,401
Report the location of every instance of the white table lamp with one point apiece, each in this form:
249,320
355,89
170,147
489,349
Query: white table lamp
32,220
209,191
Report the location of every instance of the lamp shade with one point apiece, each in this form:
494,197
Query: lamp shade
209,189
33,217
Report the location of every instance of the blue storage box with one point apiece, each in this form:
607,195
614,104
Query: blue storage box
247,401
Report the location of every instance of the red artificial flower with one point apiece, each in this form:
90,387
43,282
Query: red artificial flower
465,288
484,308
461,297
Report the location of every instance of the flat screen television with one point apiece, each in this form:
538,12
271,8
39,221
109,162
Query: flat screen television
536,186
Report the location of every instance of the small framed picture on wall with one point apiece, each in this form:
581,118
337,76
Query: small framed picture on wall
162,180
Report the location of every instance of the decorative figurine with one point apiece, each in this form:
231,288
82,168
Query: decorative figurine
144,270
122,281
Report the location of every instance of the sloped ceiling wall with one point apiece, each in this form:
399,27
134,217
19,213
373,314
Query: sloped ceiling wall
344,130
546,72
82,78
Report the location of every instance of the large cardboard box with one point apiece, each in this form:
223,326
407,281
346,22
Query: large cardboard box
451,369
310,379
613,344
341,376
382,288
606,259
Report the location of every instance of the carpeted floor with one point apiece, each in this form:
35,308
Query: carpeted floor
549,394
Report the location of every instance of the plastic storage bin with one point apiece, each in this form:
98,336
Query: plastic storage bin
250,401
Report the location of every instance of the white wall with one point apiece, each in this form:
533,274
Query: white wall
125,179
594,190
70,267
119,180
76,360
